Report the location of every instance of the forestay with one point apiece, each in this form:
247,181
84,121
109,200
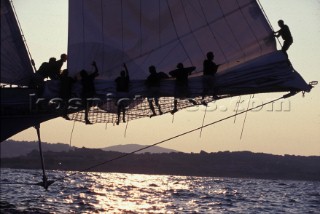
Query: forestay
163,33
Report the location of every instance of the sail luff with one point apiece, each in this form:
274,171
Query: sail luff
16,65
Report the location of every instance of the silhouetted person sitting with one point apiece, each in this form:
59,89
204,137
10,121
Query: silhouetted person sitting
88,89
153,85
56,69
66,83
181,84
210,68
122,86
285,33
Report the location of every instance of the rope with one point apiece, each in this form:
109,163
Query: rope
245,118
125,131
182,134
171,138
204,117
267,18
237,108
23,38
74,123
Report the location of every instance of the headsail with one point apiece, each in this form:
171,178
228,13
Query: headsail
163,33
15,62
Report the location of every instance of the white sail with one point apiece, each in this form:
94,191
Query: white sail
15,62
163,33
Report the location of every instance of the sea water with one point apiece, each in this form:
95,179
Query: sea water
79,192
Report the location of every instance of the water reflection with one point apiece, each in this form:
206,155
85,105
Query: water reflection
117,192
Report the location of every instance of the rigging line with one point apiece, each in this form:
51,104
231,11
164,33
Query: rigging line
264,13
83,36
267,18
208,24
140,28
245,118
184,133
190,27
159,24
178,37
22,35
230,28
237,108
71,134
122,30
125,131
204,116
102,35
174,40
251,29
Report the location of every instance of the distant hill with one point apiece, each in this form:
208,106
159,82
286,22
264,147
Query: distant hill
11,148
221,164
133,147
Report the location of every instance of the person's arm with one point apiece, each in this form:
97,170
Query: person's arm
126,70
277,33
96,71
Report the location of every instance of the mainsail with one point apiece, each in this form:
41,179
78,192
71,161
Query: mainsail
163,33
16,68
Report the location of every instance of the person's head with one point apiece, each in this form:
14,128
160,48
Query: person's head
210,55
180,65
152,69
123,73
281,23
64,57
65,72
52,60
83,73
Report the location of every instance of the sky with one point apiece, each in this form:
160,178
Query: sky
289,127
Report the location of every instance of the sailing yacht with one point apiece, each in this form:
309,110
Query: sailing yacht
141,33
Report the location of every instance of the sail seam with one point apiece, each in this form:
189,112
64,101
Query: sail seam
252,31
190,27
228,25
210,29
178,37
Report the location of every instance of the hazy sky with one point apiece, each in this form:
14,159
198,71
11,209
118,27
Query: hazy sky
294,129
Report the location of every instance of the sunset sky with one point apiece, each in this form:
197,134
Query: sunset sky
290,128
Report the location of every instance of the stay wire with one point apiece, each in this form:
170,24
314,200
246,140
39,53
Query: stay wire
204,117
268,20
245,118
182,134
166,140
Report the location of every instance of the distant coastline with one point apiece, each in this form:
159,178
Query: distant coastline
220,164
